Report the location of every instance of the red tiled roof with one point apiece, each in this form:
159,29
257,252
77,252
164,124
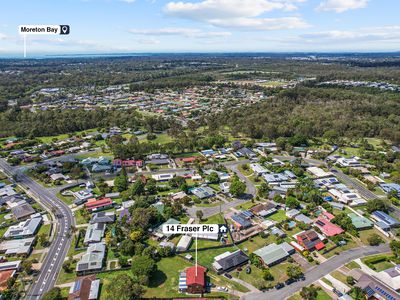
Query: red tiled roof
328,228
4,276
320,246
191,277
189,159
328,215
91,204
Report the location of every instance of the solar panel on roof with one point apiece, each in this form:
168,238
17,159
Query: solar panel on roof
77,286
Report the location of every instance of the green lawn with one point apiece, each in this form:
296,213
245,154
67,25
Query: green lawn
64,277
353,265
256,243
364,234
350,245
339,276
378,262
322,295
279,216
206,258
215,219
162,138
43,229
79,218
187,154
66,199
246,205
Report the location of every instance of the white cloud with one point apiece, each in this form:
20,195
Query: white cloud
262,24
186,32
340,6
2,36
377,38
128,1
148,41
239,14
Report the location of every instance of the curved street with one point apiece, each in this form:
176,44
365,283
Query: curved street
318,272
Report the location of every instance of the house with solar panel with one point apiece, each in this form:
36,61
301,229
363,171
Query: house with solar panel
228,261
242,220
384,221
85,288
202,192
92,260
373,288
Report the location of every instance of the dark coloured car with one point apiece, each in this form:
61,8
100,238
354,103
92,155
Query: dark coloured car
279,286
290,281
227,275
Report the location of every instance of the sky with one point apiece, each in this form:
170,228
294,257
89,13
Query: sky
117,26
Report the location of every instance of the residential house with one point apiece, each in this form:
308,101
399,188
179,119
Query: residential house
92,260
95,205
264,209
391,187
158,231
375,289
384,221
245,152
85,288
7,271
274,254
17,247
258,169
202,192
196,280
22,212
24,229
228,261
94,233
241,221
318,172
184,243
163,177
82,196
304,219
348,162
327,228
103,217
360,222
310,240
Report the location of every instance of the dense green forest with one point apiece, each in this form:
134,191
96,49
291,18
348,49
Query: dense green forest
52,122
312,112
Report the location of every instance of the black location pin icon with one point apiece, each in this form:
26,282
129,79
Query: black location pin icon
64,29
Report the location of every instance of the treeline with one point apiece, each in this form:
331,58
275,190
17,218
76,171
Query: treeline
52,122
311,112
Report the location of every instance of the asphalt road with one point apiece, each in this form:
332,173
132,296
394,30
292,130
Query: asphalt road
361,189
58,250
318,272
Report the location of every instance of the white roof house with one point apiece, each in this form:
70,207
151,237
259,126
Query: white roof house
23,229
162,177
348,162
258,169
17,247
318,172
184,243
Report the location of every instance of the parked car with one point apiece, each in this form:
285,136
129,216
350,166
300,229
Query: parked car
339,293
279,286
227,275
